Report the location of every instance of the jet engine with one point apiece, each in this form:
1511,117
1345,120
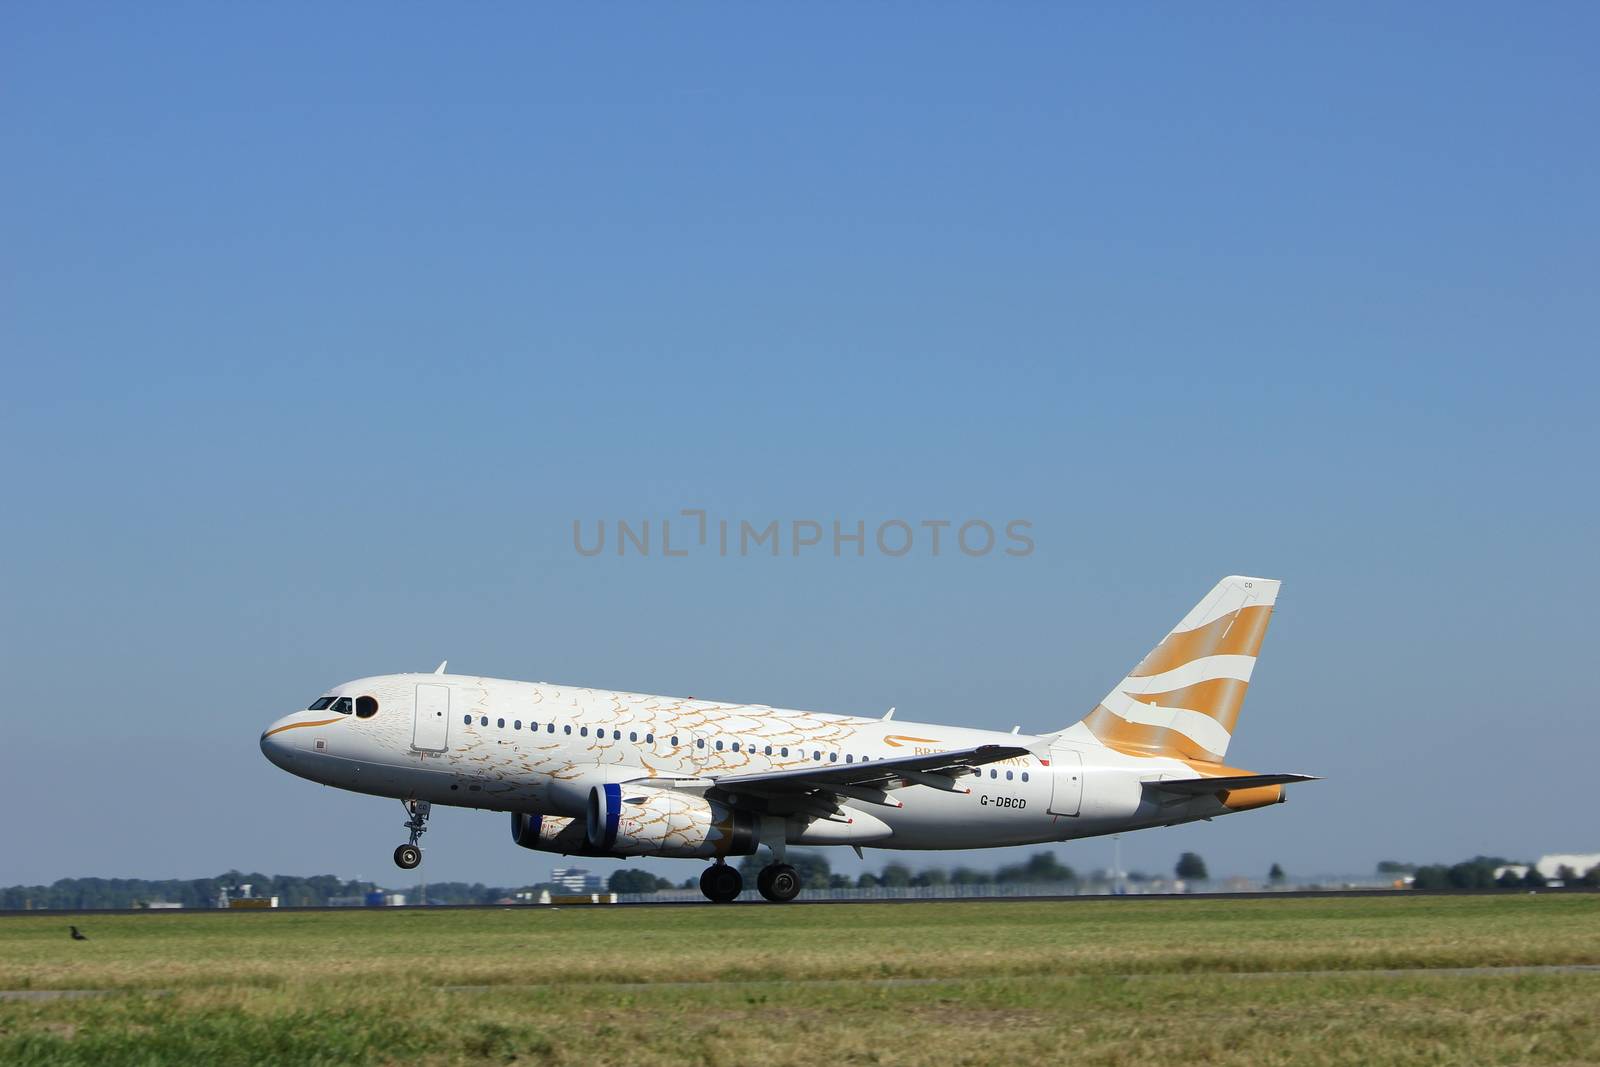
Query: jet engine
551,833
633,821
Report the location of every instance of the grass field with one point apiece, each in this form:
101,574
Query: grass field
1161,982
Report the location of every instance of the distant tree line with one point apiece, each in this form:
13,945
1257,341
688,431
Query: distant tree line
1041,868
87,893
635,880
1479,873
83,894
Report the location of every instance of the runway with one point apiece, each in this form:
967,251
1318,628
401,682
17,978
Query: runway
754,899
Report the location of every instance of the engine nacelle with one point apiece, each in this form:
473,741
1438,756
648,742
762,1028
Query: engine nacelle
634,821
551,833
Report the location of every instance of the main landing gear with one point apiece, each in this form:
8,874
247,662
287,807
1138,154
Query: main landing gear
407,856
722,884
779,883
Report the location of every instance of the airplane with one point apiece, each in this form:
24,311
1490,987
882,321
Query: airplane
592,772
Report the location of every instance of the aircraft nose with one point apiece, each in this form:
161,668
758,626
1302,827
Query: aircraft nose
276,745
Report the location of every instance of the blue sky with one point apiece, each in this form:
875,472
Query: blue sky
321,326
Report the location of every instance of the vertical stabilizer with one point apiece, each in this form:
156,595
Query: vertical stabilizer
1183,698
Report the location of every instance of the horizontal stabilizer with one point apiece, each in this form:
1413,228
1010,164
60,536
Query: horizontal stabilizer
1202,786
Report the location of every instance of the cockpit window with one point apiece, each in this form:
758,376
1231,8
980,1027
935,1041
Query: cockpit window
366,707
342,706
320,704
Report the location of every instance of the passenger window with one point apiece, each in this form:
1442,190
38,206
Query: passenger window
467,719
320,704
501,723
616,735
342,706
849,759
483,720
632,735
816,754
517,725
583,731
736,746
699,742
1024,776
783,751
719,746
366,707
833,757
550,729
567,729
1008,776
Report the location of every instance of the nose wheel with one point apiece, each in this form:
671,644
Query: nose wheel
721,884
407,856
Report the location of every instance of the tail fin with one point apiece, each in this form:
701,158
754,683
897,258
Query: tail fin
1183,698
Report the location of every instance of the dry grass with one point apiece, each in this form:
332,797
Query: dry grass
1127,982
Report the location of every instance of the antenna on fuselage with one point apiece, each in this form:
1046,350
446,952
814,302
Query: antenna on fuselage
440,668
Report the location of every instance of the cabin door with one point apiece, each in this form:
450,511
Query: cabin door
430,730
1066,781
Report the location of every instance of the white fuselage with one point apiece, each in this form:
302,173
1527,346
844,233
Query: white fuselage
536,748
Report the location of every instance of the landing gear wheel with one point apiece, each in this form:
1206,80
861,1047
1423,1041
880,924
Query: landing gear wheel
779,883
721,884
407,856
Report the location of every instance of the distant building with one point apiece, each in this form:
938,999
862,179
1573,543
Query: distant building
244,897
1550,866
575,880
1518,871
374,898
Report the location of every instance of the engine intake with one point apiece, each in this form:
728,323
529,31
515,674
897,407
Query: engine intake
632,821
551,833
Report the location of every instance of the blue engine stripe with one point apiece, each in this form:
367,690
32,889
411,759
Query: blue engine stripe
525,829
613,812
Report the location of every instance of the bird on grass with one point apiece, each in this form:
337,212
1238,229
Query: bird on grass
78,935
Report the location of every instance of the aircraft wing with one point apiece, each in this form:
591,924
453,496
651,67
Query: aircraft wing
1202,786
872,774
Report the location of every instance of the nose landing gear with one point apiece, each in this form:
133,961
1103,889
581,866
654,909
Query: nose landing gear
407,856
